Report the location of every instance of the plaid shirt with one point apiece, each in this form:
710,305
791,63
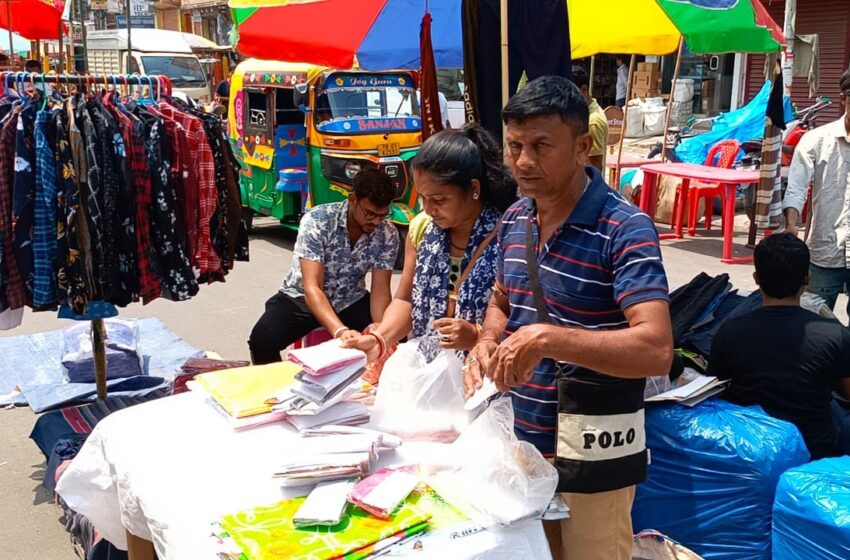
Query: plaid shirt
15,296
44,232
201,159
149,287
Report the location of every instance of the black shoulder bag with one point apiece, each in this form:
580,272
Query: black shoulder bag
601,442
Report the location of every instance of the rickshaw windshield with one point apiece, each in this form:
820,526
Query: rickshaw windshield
360,103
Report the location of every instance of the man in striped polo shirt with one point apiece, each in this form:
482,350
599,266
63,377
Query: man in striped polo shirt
605,326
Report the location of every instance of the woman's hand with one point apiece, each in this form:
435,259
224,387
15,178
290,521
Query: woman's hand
456,334
477,364
367,343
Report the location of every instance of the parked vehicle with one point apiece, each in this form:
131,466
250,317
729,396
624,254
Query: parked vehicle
303,132
155,51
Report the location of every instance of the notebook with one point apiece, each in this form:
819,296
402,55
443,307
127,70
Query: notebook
244,391
326,358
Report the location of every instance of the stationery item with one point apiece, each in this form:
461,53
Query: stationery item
328,357
320,389
324,505
341,443
386,545
344,413
691,388
381,493
388,441
324,467
244,391
268,533
297,405
487,390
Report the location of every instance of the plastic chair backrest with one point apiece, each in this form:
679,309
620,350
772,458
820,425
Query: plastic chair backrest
724,152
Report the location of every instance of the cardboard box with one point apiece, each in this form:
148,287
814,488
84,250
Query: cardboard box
646,81
644,93
648,67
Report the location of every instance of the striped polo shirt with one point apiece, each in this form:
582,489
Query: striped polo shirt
604,258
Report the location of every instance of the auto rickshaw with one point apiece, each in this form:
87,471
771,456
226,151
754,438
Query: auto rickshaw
303,132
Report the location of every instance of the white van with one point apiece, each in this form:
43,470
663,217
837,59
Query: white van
155,51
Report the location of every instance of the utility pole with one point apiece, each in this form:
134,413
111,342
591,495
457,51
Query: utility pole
789,30
129,42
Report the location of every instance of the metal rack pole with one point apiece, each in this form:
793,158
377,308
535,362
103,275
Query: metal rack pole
98,341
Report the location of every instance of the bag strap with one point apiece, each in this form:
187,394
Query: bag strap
450,309
533,276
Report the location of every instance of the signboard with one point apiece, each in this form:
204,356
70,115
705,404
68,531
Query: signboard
99,4
615,124
148,22
348,81
140,8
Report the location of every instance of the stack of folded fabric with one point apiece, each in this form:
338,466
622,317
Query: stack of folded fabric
345,413
325,456
328,357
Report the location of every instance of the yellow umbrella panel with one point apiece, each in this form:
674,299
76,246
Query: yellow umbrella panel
620,26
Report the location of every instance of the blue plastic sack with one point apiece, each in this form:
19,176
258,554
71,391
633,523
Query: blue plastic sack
811,514
712,476
746,123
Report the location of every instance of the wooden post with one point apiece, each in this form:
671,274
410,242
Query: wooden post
11,41
139,548
98,340
506,79
592,72
670,102
625,118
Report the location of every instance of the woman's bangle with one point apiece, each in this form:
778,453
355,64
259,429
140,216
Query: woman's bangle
339,331
479,328
382,344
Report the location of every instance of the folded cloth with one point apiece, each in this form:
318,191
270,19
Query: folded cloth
321,388
310,469
383,492
326,358
123,357
344,413
324,505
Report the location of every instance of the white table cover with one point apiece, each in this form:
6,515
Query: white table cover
166,469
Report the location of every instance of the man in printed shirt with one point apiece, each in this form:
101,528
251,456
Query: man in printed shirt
822,159
605,291
337,245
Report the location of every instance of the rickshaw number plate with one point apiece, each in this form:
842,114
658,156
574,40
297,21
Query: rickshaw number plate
387,150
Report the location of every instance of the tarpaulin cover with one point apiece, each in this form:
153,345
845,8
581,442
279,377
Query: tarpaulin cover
811,515
31,362
746,123
712,476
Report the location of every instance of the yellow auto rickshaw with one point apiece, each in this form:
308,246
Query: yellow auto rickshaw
303,132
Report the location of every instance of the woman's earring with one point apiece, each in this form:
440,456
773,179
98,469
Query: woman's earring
474,196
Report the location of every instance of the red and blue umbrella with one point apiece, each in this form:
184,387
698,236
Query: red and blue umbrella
374,34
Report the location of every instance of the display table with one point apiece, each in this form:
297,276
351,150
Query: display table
626,162
163,471
729,179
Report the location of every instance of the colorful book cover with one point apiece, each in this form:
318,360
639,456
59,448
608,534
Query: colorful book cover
267,533
244,391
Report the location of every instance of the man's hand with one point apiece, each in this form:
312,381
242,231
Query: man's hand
367,343
513,362
477,363
456,334
792,229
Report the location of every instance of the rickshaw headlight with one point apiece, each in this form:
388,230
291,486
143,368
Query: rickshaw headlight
352,168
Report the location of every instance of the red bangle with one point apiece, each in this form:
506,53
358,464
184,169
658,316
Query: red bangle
382,344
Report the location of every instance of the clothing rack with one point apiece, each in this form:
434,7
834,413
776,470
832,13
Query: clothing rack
158,85
162,84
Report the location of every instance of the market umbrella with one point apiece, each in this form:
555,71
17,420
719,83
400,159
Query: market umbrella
376,34
34,19
655,27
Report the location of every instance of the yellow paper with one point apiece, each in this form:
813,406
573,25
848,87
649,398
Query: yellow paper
244,391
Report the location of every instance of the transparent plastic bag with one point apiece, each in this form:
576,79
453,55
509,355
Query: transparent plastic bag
123,352
490,475
420,399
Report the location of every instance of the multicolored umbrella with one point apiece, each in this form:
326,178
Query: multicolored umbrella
376,34
654,27
34,19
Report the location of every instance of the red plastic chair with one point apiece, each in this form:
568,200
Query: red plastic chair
721,155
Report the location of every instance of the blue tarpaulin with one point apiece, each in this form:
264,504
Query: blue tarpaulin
746,123
32,362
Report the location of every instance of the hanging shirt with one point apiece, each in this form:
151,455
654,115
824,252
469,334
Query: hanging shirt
201,159
91,195
44,230
23,196
13,285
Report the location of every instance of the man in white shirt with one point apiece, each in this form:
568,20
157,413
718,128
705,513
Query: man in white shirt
822,159
622,82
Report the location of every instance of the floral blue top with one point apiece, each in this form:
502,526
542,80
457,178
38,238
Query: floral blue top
323,238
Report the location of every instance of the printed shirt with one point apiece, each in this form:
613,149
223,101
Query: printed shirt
822,159
323,238
44,242
604,258
14,284
201,158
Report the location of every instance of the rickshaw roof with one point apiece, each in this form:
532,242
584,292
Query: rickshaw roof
258,65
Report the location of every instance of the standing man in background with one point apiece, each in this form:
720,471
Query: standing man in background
822,159
622,82
598,121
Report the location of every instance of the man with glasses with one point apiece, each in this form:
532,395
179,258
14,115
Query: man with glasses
822,160
337,245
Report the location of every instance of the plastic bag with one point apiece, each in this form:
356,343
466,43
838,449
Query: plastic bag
652,545
420,399
713,475
123,352
491,476
811,514
656,385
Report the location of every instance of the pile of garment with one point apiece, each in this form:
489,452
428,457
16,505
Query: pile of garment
112,199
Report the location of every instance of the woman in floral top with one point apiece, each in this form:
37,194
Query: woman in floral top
464,188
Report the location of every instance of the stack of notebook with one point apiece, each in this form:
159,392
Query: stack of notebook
329,456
